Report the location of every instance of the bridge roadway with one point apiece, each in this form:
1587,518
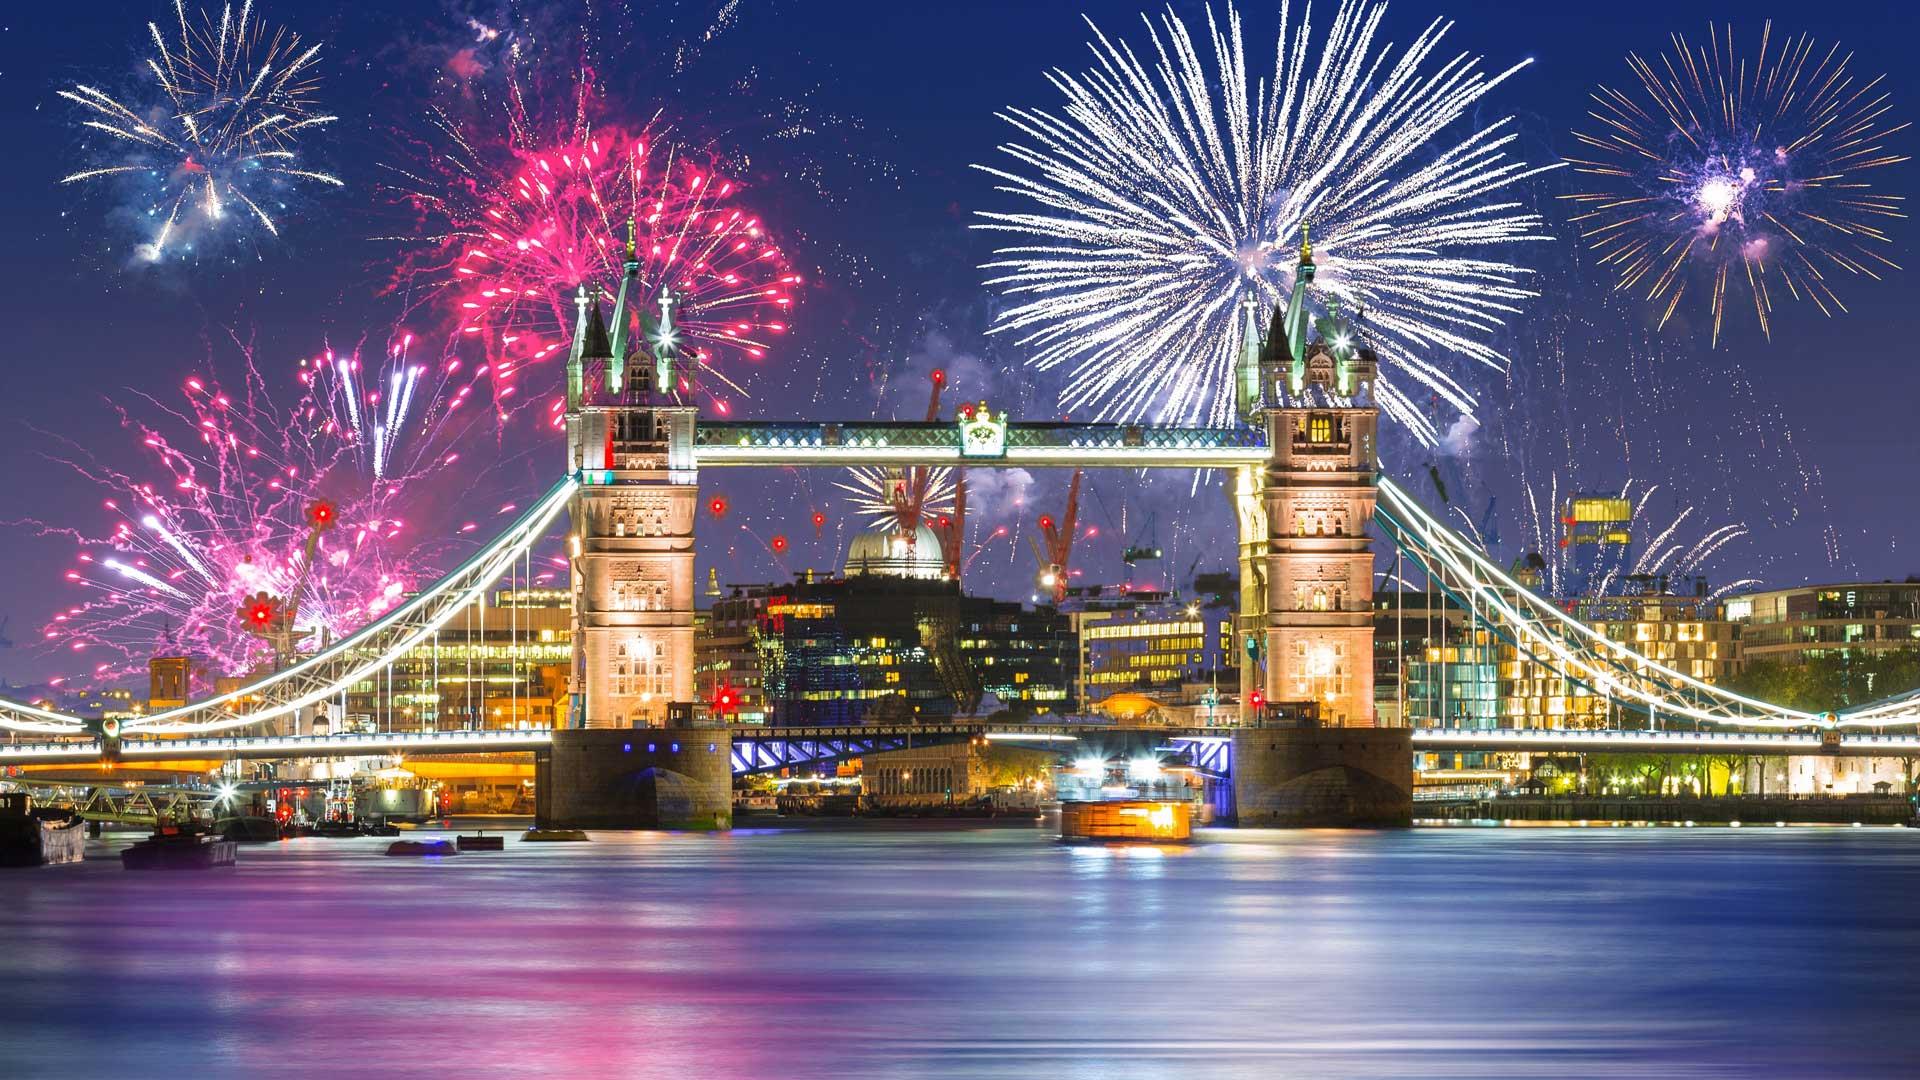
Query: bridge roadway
759,749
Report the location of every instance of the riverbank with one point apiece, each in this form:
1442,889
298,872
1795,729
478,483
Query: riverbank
1848,810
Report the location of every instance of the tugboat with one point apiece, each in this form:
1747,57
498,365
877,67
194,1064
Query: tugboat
46,836
179,847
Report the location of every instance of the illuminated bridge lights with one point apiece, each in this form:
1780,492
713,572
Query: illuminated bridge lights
760,749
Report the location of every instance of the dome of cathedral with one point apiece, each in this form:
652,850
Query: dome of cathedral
884,551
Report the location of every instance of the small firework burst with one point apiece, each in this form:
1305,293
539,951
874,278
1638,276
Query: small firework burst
1718,172
212,143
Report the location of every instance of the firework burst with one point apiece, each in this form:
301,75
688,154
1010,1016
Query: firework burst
512,256
1172,188
886,496
1719,172
214,137
308,505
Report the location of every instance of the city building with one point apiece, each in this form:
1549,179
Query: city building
1406,623
502,662
1688,632
1160,649
892,637
726,652
1596,531
1812,622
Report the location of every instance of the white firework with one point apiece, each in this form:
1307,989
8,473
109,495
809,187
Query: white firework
1172,187
885,496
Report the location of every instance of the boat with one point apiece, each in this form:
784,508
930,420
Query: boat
481,842
179,847
39,836
421,847
382,828
563,836
1126,819
248,830
336,829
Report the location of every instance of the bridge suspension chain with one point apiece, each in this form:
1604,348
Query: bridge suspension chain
1541,632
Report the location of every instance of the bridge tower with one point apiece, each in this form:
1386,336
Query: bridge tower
630,437
1315,395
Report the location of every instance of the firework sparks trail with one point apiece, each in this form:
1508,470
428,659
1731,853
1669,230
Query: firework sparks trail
1673,550
1172,187
1722,172
227,510
217,128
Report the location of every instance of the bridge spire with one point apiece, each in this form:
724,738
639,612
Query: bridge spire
589,342
665,349
630,272
1248,378
1297,313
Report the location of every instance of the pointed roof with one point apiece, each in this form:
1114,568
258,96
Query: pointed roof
596,346
1276,349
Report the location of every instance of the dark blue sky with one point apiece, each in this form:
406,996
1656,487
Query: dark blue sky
1808,438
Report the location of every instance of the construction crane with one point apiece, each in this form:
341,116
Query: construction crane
911,484
1058,553
1145,546
273,618
953,529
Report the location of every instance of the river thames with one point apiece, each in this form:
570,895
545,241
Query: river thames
878,950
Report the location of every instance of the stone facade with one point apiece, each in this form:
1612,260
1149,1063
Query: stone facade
632,539
1323,777
1320,494
635,778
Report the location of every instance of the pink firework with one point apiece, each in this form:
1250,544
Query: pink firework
312,506
563,221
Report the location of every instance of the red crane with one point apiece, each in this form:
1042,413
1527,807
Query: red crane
1059,543
910,485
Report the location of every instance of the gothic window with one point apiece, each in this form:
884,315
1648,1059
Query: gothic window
639,594
1319,599
1320,428
639,668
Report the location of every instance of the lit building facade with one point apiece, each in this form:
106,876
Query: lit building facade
1595,531
1159,649
501,662
1816,621
833,651
726,653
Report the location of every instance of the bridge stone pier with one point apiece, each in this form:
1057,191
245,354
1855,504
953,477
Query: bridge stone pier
635,778
1321,777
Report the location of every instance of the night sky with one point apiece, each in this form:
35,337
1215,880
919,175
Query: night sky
853,127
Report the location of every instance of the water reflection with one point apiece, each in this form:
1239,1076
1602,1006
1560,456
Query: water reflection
983,952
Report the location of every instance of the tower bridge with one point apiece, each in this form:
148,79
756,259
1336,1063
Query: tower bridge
1308,499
